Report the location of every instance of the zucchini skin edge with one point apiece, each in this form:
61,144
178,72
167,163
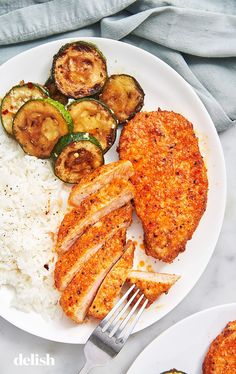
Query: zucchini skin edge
104,106
72,137
90,98
41,87
63,49
60,109
67,140
141,103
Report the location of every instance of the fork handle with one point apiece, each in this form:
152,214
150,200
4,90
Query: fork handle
86,368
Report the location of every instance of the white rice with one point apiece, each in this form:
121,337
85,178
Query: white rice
32,205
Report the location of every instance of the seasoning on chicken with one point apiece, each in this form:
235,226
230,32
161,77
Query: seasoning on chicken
79,294
151,284
112,284
70,262
103,175
170,179
110,197
221,356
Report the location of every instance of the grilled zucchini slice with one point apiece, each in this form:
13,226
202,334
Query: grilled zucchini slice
39,124
54,93
79,69
76,155
124,95
90,115
15,98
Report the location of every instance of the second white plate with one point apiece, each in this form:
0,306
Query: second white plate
184,345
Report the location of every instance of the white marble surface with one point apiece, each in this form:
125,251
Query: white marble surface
216,286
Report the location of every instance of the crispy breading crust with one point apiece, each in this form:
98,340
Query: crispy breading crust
70,262
221,356
151,288
79,294
110,197
99,178
112,284
170,179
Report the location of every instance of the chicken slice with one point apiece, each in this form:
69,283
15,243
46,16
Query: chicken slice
100,177
79,294
112,284
70,262
110,197
151,284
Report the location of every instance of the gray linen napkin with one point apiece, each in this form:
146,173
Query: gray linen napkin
196,37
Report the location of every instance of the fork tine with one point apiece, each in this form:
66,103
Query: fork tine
114,309
114,325
127,318
133,323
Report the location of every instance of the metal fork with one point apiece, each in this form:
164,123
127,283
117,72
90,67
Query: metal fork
110,335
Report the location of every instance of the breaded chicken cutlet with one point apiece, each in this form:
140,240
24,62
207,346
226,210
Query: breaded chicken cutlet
111,286
100,177
221,356
93,264
70,262
170,179
151,284
110,197
79,294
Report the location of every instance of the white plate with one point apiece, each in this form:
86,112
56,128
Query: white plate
184,345
163,88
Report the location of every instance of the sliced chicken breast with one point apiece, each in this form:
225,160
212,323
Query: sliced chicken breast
99,178
112,284
79,294
151,284
110,197
70,262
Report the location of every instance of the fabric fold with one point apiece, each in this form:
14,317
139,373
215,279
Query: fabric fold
191,31
198,39
53,17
